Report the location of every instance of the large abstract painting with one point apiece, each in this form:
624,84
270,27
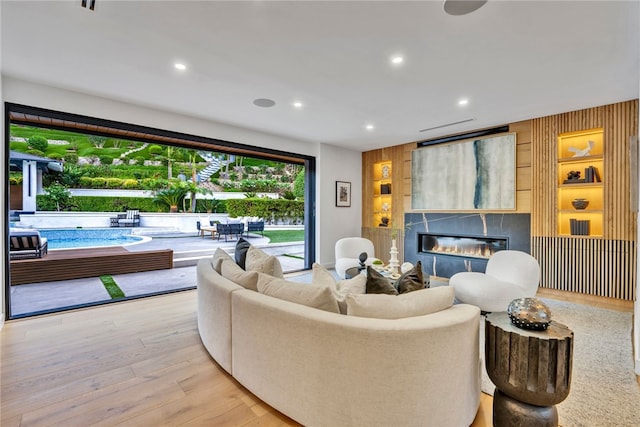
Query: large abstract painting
466,175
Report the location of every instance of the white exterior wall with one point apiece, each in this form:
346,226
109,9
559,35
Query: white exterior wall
332,163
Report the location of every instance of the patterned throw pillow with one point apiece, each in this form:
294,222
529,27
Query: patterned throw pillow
412,280
378,284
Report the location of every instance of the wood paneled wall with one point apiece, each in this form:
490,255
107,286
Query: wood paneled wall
599,266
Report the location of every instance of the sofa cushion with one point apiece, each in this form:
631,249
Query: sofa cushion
320,297
218,256
258,260
233,272
241,252
320,276
412,280
378,284
418,303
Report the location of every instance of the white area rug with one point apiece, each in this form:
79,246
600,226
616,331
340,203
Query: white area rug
604,390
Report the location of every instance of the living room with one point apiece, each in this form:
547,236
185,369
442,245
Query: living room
536,124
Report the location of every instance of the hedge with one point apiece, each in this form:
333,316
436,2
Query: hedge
270,209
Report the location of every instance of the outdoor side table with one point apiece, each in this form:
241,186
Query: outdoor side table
531,371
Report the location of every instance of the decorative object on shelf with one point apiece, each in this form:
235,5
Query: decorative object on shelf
591,174
385,188
579,227
343,194
580,203
386,171
529,313
582,152
384,222
394,263
362,257
573,177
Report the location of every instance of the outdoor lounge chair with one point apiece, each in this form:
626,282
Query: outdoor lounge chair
130,219
230,230
255,226
26,243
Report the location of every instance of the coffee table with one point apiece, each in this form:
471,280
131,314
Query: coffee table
212,229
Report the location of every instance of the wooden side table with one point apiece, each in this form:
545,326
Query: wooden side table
531,371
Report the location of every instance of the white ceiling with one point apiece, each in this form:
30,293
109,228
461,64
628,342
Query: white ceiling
513,60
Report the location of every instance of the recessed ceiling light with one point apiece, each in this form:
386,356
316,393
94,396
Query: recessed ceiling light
462,7
463,101
264,102
297,104
397,60
369,127
180,66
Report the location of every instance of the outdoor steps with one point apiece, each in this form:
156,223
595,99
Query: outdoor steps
189,258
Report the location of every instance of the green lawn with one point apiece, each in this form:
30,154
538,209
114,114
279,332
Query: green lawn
283,236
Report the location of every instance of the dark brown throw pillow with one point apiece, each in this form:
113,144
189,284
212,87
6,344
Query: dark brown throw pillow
241,252
412,280
378,284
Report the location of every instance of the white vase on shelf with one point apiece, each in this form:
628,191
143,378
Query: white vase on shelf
394,263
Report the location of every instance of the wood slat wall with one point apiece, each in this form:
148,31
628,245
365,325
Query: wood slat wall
598,266
589,266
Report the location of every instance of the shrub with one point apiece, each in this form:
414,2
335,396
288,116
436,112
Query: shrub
130,184
106,160
70,158
35,152
113,183
98,183
86,182
155,150
298,185
38,142
139,160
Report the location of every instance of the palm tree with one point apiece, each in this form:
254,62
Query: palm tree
172,196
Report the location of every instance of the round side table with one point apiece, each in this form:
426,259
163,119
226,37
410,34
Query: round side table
531,371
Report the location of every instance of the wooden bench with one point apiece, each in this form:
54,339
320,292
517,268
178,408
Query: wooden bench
79,263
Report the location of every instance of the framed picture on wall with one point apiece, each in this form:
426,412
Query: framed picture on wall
343,194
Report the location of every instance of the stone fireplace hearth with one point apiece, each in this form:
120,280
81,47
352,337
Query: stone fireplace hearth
449,243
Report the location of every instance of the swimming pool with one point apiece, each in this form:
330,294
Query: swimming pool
73,238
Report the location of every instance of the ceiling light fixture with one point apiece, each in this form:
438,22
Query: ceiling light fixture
264,102
397,60
463,101
297,104
462,7
180,66
369,127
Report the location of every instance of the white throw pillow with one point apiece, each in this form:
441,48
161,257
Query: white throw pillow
320,297
417,303
258,260
218,256
235,273
320,276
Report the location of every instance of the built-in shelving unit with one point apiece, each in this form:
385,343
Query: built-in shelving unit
382,189
581,153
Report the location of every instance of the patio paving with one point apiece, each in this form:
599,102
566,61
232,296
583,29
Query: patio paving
38,297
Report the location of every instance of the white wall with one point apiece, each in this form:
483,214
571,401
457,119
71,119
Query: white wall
332,163
333,223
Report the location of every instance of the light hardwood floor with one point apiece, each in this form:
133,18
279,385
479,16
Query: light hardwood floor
136,363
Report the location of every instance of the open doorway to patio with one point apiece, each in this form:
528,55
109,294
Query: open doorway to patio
150,203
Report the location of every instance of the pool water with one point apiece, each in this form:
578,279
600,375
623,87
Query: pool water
84,238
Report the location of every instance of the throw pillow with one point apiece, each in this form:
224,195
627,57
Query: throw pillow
241,252
233,272
412,280
419,303
378,284
218,256
259,260
320,276
320,297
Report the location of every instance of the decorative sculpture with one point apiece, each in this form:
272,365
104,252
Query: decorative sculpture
529,313
363,257
582,152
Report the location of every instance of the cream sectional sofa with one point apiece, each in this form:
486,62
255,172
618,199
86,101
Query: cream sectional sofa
329,369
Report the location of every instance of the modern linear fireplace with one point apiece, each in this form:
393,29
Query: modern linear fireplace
461,245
